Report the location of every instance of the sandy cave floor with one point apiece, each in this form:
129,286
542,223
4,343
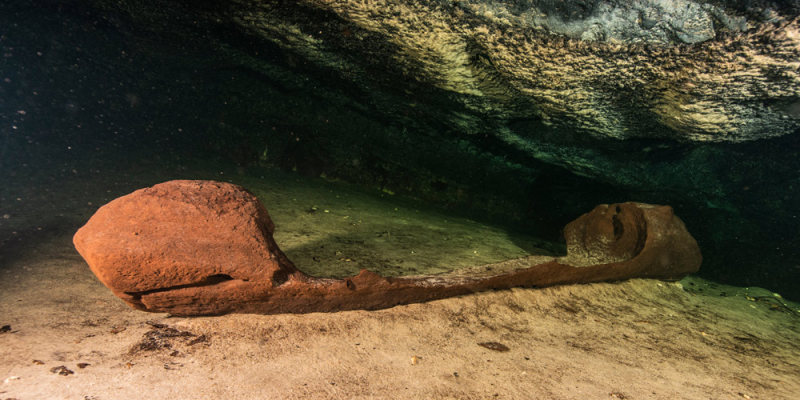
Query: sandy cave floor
640,339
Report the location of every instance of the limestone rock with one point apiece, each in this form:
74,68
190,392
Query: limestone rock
204,247
679,69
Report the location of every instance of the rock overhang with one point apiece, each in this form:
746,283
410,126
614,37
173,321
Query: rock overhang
735,81
367,109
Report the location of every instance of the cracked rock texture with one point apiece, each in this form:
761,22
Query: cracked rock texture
605,69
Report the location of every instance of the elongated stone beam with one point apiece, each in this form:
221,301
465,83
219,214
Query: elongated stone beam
206,248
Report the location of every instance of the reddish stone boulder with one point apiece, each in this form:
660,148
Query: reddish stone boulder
182,235
204,247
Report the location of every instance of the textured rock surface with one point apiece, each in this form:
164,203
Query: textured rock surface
501,108
606,69
204,247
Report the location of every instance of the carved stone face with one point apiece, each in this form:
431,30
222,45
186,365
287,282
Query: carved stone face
205,247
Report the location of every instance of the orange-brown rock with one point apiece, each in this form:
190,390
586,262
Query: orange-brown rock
204,247
643,240
183,236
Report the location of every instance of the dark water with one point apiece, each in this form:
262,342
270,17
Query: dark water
93,101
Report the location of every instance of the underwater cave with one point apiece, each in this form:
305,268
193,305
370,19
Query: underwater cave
407,138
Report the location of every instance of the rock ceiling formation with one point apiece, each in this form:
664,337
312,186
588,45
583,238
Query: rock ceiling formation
609,69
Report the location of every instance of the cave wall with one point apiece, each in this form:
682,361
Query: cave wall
530,112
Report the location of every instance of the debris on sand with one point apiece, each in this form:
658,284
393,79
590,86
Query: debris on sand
495,346
164,337
61,370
